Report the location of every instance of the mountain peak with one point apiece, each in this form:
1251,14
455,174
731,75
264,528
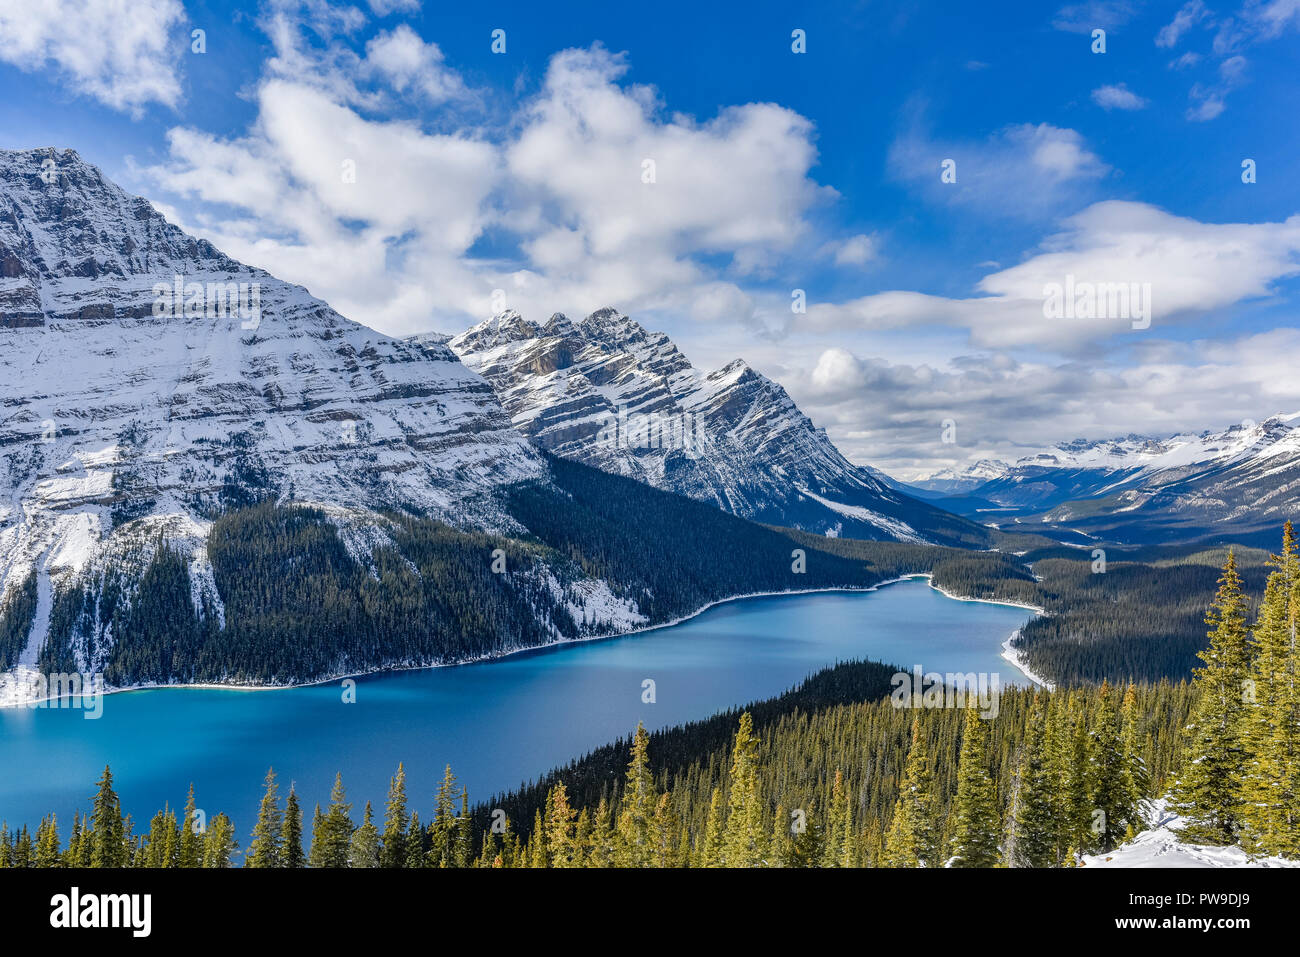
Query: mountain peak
751,451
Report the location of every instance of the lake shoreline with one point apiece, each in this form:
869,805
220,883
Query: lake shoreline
39,703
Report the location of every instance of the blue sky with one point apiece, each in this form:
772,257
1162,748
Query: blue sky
522,172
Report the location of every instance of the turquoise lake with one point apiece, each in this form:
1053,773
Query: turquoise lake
497,723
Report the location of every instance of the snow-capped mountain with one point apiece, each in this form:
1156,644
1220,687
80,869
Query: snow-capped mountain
145,375
1243,477
606,392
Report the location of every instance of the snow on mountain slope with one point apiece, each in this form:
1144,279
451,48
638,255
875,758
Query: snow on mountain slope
116,406
1245,475
609,393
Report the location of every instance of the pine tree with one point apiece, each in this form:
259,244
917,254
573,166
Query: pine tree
559,830
319,841
291,854
602,842
442,830
744,836
1206,792
47,843
1078,806
219,845
264,851
1114,810
189,851
1060,753
712,851
365,842
911,840
335,830
1270,789
108,847
975,812
1134,746
838,851
636,809
393,852
1035,825
414,843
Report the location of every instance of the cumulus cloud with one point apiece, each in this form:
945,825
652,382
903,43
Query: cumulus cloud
407,62
124,53
890,414
1118,97
1025,170
1189,267
856,250
592,193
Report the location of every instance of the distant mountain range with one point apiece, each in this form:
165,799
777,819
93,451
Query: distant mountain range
606,392
1242,480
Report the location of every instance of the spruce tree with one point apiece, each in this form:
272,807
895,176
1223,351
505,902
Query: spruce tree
47,843
189,851
1035,825
1270,790
336,829
108,847
393,852
712,852
1207,790
442,830
365,842
975,812
559,829
744,837
1114,808
911,839
636,808
291,853
219,843
264,851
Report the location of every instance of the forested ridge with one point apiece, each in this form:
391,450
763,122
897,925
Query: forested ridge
299,606
833,774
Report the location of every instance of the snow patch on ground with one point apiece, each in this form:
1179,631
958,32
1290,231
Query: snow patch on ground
1159,847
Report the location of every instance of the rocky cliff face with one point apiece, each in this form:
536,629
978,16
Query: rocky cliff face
146,380
609,393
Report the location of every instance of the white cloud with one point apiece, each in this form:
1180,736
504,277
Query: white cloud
1191,268
1118,97
564,179
124,53
407,62
1208,99
383,8
1026,170
1188,16
889,414
856,250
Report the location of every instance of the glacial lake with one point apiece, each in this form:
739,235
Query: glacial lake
498,723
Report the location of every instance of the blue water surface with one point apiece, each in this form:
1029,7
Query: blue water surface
497,723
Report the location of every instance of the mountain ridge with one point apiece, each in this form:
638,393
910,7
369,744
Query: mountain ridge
605,391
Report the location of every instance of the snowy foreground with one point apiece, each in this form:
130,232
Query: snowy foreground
1159,847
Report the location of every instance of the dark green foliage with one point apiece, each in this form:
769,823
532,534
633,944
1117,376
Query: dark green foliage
16,616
